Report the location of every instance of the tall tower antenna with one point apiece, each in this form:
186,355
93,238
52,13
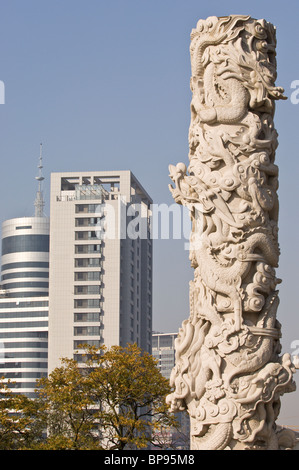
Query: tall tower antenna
39,202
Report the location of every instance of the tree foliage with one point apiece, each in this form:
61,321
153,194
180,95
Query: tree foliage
116,400
21,426
130,390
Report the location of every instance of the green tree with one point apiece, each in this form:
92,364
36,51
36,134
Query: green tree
21,424
116,401
130,393
68,408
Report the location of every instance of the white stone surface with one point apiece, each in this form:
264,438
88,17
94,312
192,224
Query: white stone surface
229,373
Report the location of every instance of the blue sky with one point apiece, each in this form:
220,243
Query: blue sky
105,86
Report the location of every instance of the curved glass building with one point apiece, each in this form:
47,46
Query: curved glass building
24,299
25,257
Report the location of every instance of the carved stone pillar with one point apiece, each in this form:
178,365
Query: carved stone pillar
229,374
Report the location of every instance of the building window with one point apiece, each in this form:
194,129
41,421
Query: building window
18,285
81,249
25,324
19,243
87,235
87,208
93,289
87,303
88,276
25,264
25,274
16,314
87,331
87,262
87,317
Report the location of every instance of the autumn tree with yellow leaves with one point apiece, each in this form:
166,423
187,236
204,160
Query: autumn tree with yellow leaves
115,400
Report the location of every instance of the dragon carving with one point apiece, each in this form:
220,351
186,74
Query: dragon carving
229,374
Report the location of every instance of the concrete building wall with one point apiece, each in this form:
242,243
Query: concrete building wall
95,268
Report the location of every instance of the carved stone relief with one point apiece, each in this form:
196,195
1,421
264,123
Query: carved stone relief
229,373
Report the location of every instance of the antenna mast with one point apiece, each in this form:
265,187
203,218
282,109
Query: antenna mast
39,202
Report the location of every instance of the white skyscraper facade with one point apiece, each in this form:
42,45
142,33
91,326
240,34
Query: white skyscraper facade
100,281
25,257
23,342
24,298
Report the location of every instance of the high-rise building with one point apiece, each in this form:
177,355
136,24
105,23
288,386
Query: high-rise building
23,342
25,257
100,263
24,297
98,287
163,350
